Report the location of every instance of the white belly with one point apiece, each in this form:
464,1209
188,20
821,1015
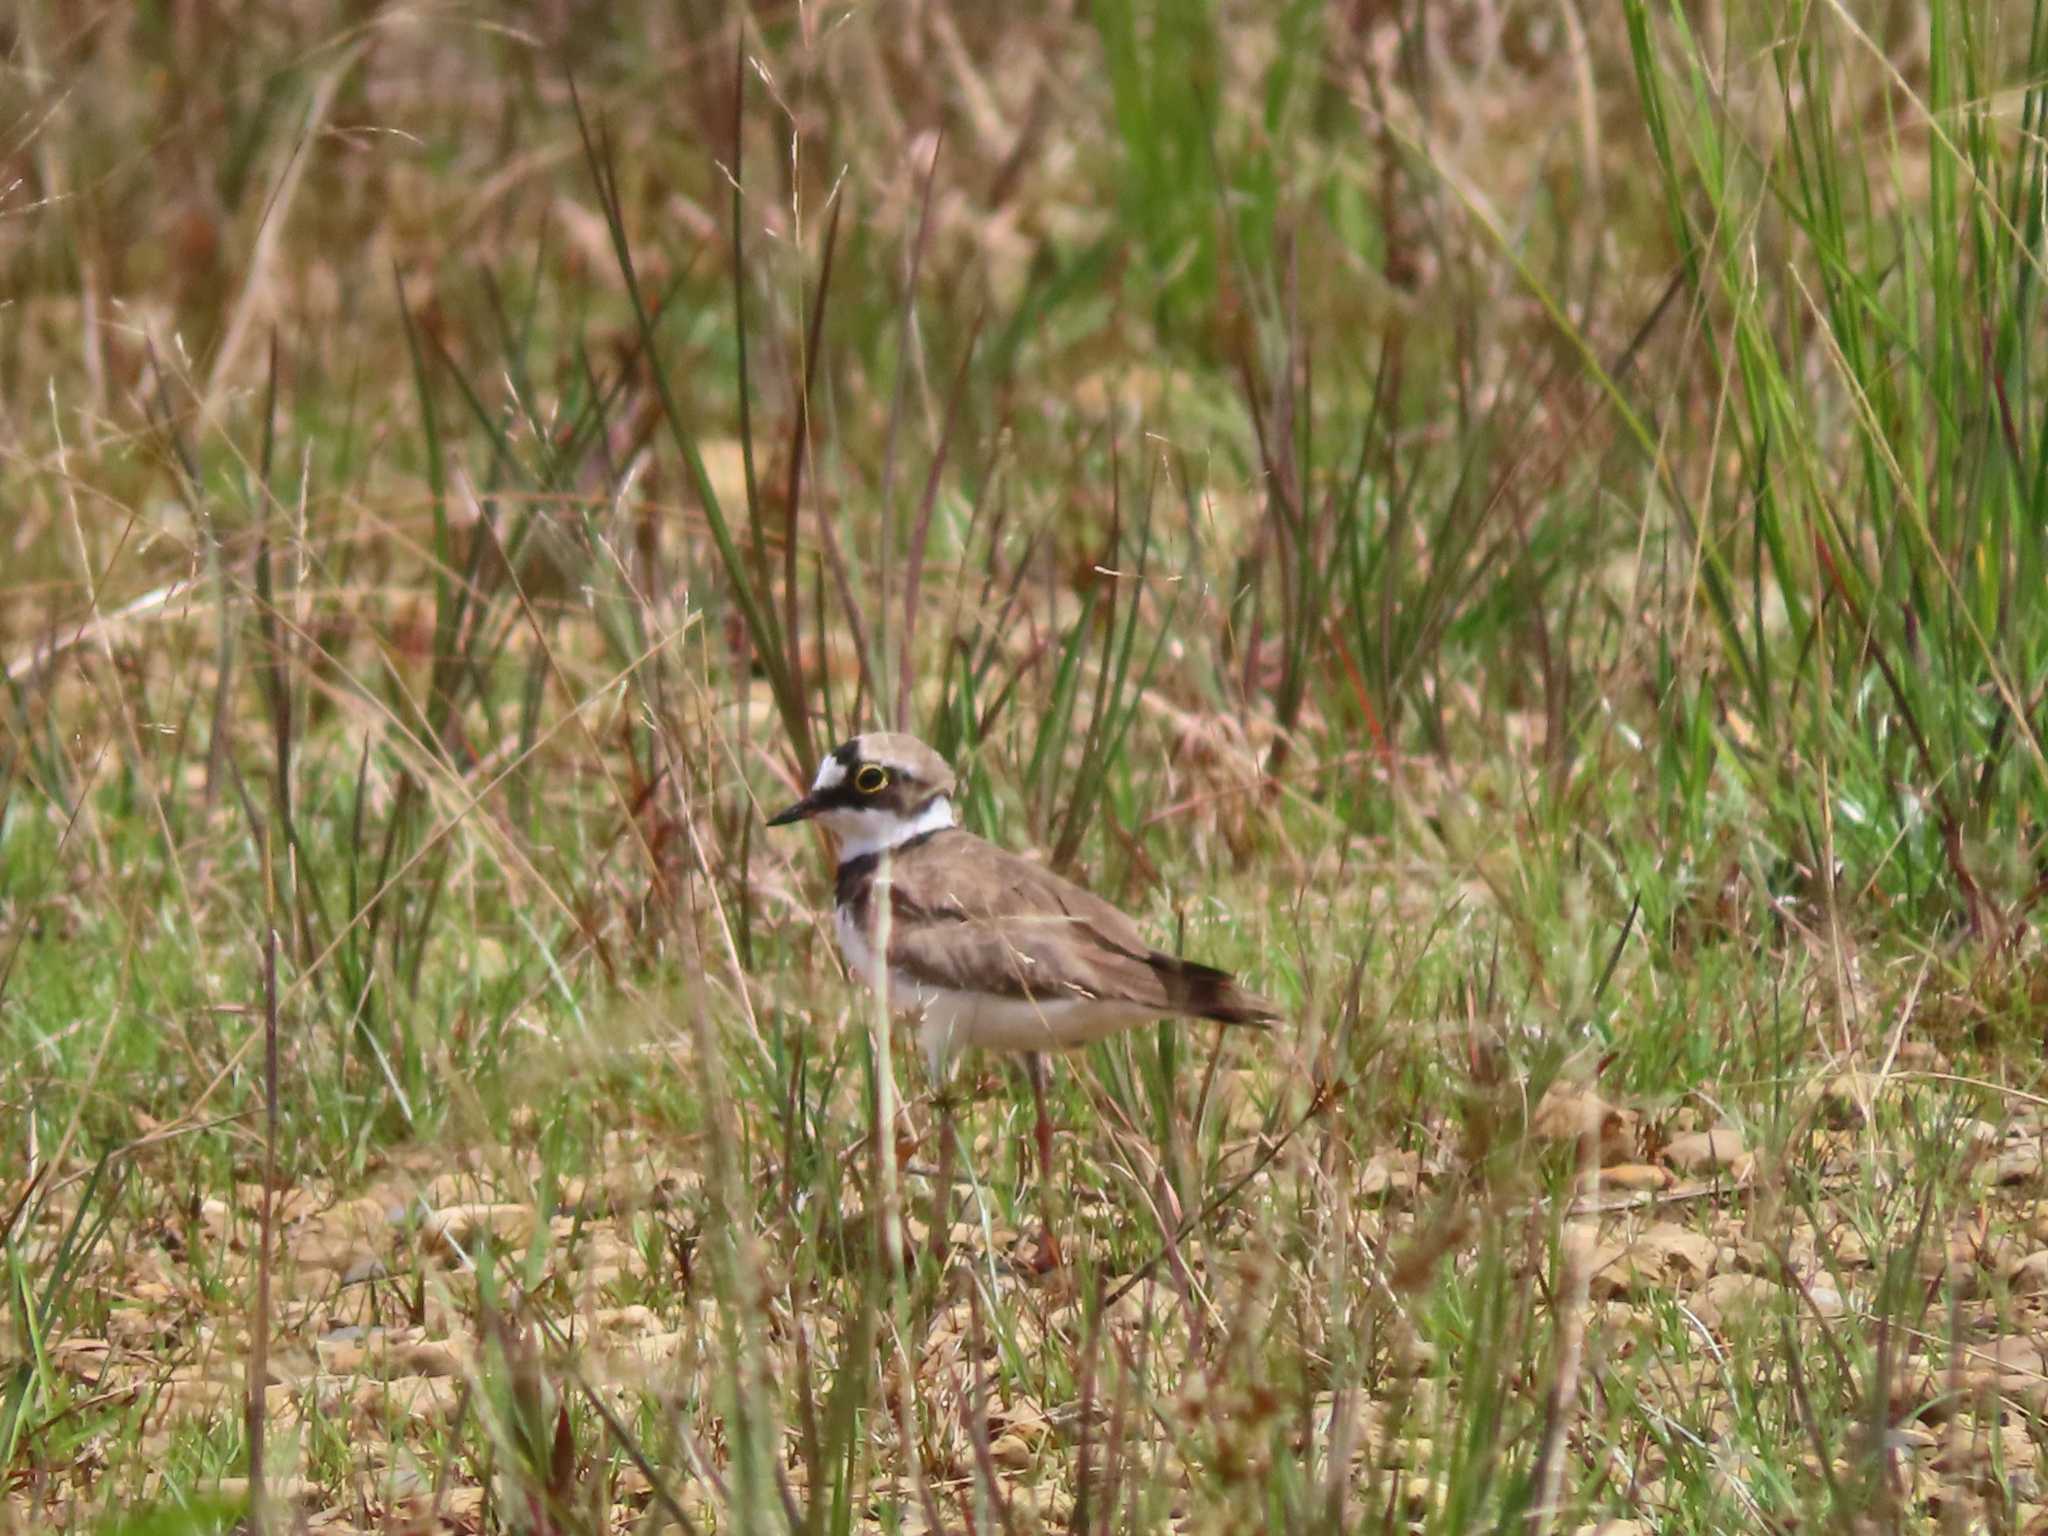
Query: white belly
951,1021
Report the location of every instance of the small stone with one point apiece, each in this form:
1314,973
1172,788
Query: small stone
1409,1453
1609,1275
1419,1496
1846,1097
1390,1172
1979,1135
1566,1115
290,1204
2029,1276
419,1398
633,1319
340,1252
1965,1455
2011,1355
83,1358
1961,1277
1040,1507
284,1492
281,1405
1710,1152
343,1357
1727,1297
649,1348
363,1268
1012,1451
1919,1391
459,1504
428,1357
455,1229
449,1189
198,1396
1412,1355
2018,1165
367,1218
1922,1055
1635,1178
350,1238
1851,1248
133,1326
1668,1255
1028,1420
1826,1300
1679,1254
1752,1257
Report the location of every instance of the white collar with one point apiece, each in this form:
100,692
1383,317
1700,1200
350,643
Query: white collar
878,834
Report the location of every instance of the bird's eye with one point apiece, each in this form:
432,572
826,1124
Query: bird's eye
870,779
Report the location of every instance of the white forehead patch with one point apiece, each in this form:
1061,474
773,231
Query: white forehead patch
831,774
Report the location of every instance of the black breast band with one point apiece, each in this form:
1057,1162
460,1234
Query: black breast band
849,886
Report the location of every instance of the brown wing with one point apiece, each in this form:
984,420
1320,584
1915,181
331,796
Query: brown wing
967,915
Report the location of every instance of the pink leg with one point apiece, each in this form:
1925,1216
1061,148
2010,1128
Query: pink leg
1049,1256
1034,1066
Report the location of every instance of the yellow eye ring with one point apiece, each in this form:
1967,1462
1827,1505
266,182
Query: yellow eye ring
871,779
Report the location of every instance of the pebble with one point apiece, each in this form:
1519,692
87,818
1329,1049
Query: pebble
1705,1152
2011,1355
1390,1172
1847,1096
2028,1276
2020,1165
1826,1300
453,1230
1664,1256
296,1493
1634,1178
1726,1297
417,1397
1012,1451
634,1319
1567,1114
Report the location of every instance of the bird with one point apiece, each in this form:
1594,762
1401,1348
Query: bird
986,949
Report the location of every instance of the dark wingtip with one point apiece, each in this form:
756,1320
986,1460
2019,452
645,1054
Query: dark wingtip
1205,992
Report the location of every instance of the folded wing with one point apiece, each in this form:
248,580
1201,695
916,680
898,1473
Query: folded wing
972,917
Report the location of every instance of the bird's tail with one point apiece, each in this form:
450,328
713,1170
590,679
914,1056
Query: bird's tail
1204,992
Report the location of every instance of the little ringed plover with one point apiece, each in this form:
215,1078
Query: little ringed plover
983,947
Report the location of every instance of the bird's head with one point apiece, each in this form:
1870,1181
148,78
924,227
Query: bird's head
876,791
